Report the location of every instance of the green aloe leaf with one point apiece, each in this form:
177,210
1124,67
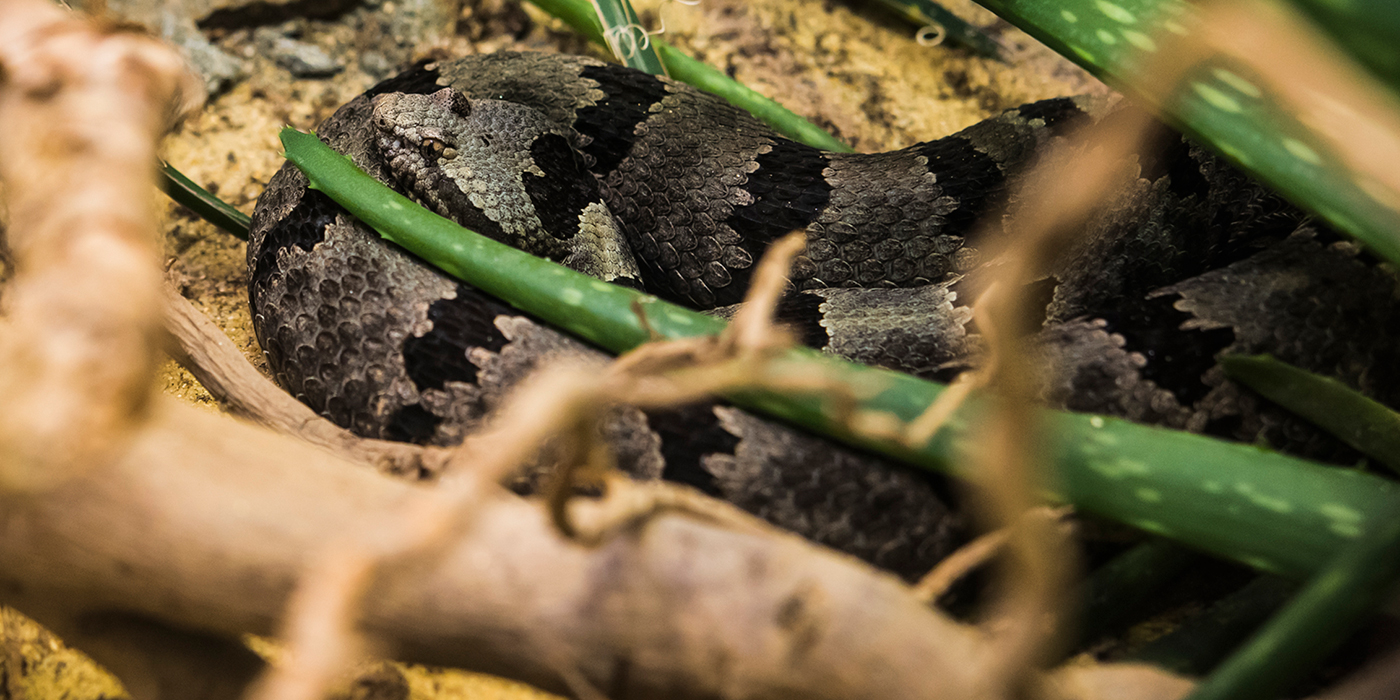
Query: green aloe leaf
1221,104
1368,30
1356,420
626,38
199,200
1207,637
1319,618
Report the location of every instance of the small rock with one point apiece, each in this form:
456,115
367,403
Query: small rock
218,69
421,23
301,59
375,65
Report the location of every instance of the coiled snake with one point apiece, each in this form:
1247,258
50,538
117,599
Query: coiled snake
642,181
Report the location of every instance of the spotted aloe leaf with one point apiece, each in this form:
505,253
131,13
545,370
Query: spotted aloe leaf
1223,103
627,39
1369,30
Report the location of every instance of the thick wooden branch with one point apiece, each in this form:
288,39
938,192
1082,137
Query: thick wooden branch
207,524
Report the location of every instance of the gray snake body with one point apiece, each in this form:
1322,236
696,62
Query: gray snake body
646,182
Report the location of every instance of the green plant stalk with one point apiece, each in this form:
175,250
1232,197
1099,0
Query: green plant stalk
626,37
1199,644
212,209
923,13
1335,407
1267,510
1220,104
1369,30
1116,591
1319,618
579,15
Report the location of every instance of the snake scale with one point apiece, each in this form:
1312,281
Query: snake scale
643,181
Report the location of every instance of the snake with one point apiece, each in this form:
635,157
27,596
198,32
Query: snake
643,181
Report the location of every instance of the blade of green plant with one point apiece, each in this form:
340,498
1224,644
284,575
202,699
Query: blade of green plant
200,201
1267,510
1115,592
1370,31
1365,424
1221,105
926,13
1319,618
1199,644
627,39
579,15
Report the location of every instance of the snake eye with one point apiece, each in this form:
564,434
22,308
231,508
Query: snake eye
432,148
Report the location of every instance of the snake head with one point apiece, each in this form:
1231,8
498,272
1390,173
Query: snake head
503,170
432,124
465,138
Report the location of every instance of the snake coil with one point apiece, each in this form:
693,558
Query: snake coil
642,181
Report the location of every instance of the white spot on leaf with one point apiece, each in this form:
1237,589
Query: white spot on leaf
1302,151
1235,81
1116,12
1217,99
1340,512
1119,468
1140,40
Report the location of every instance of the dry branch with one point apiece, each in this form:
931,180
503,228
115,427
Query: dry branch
200,524
204,525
